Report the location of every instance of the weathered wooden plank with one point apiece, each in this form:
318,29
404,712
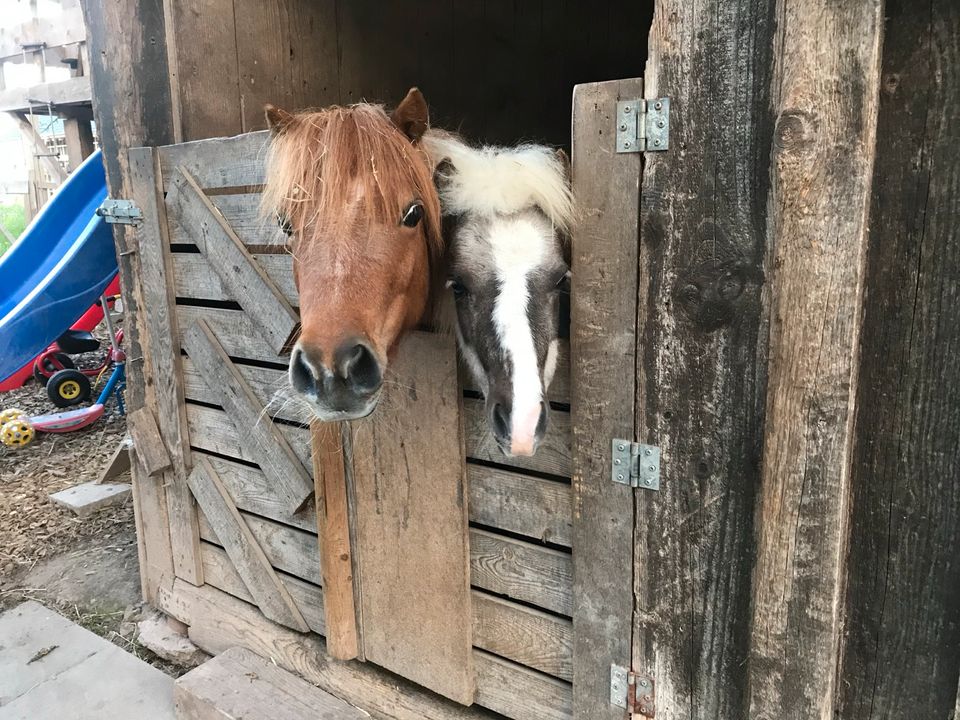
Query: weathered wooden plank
194,279
238,338
901,654
411,550
529,637
522,571
218,621
253,491
287,548
520,503
154,551
218,570
119,462
249,560
242,211
219,162
519,693
238,270
274,455
333,522
162,332
73,91
822,168
206,65
146,438
603,346
212,430
239,684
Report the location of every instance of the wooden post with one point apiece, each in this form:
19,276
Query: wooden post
131,100
603,346
902,651
826,86
78,135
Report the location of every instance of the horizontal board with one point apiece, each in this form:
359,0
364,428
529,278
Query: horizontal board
193,278
239,338
250,490
520,504
242,213
219,572
530,637
288,549
211,430
522,571
518,692
218,162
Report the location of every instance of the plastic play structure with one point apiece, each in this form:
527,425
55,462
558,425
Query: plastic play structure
55,273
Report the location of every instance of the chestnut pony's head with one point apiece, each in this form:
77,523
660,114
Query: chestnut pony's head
354,191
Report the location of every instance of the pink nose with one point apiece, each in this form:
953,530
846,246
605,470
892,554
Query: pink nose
523,438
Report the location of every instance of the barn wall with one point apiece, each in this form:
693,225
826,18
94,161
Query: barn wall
902,654
498,71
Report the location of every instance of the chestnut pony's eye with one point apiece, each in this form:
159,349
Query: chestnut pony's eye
413,215
284,224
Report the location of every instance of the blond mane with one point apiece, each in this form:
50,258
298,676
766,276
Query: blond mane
316,161
502,180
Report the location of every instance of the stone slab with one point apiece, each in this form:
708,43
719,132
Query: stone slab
87,498
53,668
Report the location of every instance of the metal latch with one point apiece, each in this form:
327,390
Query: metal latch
643,125
120,212
635,464
632,692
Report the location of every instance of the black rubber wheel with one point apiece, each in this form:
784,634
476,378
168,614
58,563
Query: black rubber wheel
50,368
67,388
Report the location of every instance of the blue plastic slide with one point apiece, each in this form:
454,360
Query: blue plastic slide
57,269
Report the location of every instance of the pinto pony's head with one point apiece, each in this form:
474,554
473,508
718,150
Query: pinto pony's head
507,213
355,192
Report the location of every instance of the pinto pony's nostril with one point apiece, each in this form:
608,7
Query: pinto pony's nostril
500,420
358,366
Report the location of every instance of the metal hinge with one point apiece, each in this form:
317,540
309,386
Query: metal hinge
632,692
635,464
120,212
643,125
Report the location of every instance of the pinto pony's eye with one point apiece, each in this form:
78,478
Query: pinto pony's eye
284,224
413,215
459,290
562,283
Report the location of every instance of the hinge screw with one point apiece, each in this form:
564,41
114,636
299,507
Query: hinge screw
626,110
644,682
619,476
617,461
658,105
656,142
623,126
660,123
626,144
648,481
621,446
647,452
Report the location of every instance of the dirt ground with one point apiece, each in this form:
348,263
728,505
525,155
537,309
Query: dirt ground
86,569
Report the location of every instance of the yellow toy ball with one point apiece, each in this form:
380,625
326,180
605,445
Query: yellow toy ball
11,414
17,433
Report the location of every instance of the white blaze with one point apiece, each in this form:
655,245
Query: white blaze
519,247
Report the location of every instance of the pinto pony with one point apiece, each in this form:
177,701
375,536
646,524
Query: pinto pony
507,214
354,190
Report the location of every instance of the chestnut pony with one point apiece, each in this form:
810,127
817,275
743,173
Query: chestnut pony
355,192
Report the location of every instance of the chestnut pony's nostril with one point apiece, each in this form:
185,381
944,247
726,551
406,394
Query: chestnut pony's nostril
359,367
302,376
501,421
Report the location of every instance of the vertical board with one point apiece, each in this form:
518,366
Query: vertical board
825,99
603,346
700,361
411,551
902,652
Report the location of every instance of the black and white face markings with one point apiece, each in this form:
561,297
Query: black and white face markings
506,274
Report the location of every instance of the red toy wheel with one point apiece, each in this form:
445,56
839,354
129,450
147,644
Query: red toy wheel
47,365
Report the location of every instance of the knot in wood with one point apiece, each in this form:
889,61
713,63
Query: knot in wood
796,132
710,295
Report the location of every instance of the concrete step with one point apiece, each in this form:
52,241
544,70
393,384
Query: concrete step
241,685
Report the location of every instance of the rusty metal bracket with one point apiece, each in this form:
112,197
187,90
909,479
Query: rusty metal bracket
633,692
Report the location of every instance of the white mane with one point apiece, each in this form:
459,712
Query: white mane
502,180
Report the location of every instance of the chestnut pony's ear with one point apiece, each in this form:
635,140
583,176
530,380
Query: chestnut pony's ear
277,120
412,115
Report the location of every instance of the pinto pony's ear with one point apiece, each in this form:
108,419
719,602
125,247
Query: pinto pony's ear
412,115
277,120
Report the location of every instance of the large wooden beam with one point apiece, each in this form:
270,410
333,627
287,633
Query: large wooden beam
826,83
78,135
903,574
75,91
